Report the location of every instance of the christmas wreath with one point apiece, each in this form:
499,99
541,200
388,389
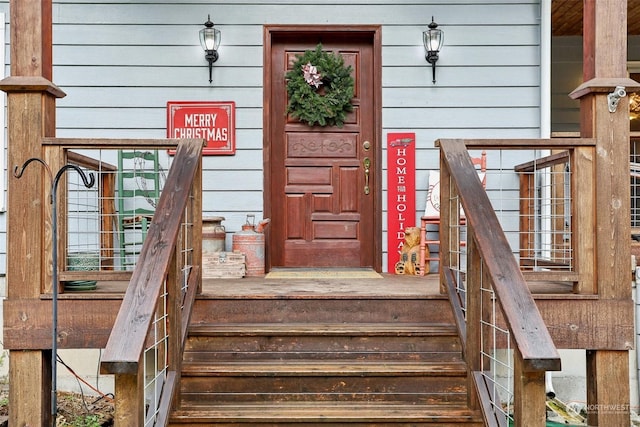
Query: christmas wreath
320,88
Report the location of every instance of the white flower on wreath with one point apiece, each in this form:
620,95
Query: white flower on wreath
311,75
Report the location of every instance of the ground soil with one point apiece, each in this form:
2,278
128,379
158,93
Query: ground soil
73,409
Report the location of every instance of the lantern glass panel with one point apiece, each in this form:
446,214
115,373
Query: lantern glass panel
433,40
210,38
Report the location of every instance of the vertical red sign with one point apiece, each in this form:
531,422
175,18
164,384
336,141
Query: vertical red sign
401,185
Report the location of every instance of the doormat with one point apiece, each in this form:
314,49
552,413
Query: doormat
323,273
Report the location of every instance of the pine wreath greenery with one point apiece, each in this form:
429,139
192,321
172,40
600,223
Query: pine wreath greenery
320,88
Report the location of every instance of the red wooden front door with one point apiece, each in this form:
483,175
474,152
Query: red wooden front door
322,200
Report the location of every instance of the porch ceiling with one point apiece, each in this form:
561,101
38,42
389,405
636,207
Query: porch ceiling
566,17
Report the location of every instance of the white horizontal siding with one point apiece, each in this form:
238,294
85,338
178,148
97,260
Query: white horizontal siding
268,12
463,118
153,119
472,97
150,97
418,75
120,62
110,76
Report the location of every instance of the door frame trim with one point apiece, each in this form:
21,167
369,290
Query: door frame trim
374,34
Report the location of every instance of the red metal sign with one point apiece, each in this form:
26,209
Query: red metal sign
401,184
213,121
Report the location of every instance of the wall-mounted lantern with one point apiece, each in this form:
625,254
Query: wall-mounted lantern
210,41
432,39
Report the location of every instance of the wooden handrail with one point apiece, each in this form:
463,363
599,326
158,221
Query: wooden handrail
491,265
159,273
90,162
90,143
126,342
543,162
525,144
521,313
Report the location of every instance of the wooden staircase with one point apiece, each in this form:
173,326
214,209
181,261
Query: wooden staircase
275,360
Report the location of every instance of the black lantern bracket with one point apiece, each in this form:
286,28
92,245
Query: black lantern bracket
210,41
432,40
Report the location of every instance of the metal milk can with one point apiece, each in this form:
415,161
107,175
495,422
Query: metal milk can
250,241
213,243
213,234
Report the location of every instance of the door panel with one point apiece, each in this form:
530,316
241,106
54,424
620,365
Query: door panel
321,215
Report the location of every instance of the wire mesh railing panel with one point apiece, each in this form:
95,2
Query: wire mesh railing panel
546,216
187,243
496,363
532,200
156,360
107,223
83,219
458,250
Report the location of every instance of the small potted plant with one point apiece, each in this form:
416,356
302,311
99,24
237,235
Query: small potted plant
82,261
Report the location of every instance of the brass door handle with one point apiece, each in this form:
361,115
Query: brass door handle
367,168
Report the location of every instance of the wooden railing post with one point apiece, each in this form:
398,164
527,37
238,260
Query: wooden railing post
129,409
107,212
529,394
527,211
604,70
54,157
450,222
196,219
582,178
31,109
446,260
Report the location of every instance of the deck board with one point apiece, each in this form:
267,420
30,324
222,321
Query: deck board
391,285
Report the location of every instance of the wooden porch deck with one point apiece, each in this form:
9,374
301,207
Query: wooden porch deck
388,286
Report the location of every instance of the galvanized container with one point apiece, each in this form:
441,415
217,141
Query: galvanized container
213,234
213,242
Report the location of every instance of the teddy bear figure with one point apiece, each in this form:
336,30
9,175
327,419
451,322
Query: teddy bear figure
410,253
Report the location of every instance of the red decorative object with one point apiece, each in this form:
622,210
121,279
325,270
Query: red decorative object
213,121
401,184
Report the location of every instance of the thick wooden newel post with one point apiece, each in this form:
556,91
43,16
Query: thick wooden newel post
528,389
30,116
605,68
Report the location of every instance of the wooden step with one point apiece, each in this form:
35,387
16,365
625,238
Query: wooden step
322,368
302,309
327,415
371,341
315,354
313,380
323,329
